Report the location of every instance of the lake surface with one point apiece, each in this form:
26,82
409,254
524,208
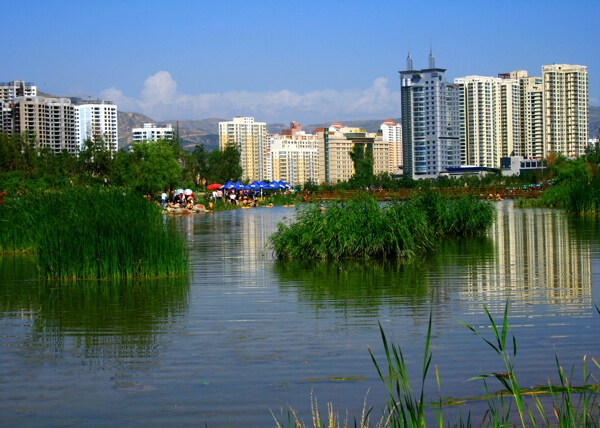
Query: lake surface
245,335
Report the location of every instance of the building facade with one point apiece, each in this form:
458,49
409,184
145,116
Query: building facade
489,119
391,132
565,96
530,144
430,121
250,138
293,159
50,120
97,121
151,132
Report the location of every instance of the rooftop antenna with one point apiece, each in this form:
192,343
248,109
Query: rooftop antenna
409,63
431,57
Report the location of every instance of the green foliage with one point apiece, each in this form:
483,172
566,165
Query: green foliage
86,233
362,228
156,166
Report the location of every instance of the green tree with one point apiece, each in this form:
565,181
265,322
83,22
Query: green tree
362,159
156,166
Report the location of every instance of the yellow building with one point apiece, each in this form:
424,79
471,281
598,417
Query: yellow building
250,138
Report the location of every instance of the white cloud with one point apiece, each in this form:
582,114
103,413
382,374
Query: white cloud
160,100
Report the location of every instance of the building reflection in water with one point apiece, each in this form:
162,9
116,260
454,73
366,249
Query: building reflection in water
537,257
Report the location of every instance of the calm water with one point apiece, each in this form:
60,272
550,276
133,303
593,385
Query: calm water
244,334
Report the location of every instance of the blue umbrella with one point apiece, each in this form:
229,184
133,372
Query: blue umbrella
274,185
284,185
237,185
228,185
263,185
255,185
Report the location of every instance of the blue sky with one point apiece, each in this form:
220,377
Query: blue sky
309,61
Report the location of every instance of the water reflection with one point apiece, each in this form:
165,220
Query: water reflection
101,320
537,255
368,284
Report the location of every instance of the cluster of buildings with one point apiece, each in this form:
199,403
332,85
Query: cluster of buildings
474,124
297,157
56,122
478,120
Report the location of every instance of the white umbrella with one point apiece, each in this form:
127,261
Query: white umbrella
188,191
178,191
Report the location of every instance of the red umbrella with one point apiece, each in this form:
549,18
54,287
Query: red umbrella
213,186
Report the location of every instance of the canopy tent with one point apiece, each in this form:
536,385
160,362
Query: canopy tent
213,186
263,185
237,185
255,185
228,185
284,185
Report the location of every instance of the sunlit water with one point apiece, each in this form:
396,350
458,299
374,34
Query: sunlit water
245,335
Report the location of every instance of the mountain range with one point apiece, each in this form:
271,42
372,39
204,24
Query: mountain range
206,131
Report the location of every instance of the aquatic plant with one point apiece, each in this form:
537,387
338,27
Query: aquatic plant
91,233
362,228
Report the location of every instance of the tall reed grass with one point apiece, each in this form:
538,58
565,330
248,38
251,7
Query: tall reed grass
91,233
362,228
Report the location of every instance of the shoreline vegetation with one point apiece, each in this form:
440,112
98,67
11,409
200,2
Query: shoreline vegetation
362,228
92,233
563,404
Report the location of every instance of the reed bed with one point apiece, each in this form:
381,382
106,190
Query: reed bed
564,405
87,233
362,228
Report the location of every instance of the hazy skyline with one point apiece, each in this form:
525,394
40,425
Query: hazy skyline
308,61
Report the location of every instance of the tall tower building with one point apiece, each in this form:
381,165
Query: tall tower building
531,119
489,119
430,121
250,138
97,120
565,109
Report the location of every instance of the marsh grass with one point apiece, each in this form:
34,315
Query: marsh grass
565,405
90,233
362,228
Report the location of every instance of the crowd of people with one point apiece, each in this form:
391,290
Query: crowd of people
177,200
240,197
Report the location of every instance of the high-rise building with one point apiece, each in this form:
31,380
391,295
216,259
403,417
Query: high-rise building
392,133
250,138
293,159
8,92
565,109
97,121
530,144
335,145
152,132
489,119
50,120
430,121
17,88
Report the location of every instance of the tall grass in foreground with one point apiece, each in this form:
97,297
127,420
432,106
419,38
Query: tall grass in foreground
570,406
362,228
90,233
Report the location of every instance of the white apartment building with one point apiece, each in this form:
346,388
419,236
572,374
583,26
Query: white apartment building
565,109
391,132
250,138
151,132
489,119
293,159
97,120
50,120
531,118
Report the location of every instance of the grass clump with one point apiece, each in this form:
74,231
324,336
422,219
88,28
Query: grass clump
362,228
91,233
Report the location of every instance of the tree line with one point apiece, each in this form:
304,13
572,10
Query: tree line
148,167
